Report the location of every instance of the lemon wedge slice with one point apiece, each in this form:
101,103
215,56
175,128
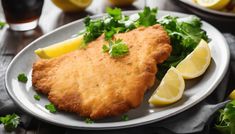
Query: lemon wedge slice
196,63
60,48
213,4
121,2
72,5
232,95
169,90
81,3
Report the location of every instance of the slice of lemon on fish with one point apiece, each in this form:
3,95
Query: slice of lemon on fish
213,4
169,90
60,48
196,63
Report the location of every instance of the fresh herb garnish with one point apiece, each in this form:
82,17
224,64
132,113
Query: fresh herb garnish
185,34
22,78
147,17
115,22
226,120
116,48
10,122
50,107
125,117
2,24
116,13
89,121
37,97
94,28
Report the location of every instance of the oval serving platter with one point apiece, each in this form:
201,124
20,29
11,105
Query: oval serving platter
210,11
196,90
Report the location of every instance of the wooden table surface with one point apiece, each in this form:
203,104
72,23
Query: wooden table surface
12,42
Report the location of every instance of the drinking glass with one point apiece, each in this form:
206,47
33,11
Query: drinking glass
22,15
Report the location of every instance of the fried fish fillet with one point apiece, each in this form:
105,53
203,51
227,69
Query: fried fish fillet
92,84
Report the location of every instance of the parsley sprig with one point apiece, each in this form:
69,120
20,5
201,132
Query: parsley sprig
2,24
51,107
89,121
22,78
37,97
147,17
226,120
115,22
125,117
10,122
116,48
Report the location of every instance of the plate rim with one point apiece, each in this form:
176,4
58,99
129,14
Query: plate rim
117,126
224,14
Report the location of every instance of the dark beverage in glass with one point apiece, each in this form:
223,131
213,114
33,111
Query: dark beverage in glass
22,14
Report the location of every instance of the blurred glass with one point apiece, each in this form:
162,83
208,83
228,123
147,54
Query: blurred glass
22,15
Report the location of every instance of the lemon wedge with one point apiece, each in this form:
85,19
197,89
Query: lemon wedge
81,3
232,95
121,2
72,5
213,4
60,48
169,90
196,63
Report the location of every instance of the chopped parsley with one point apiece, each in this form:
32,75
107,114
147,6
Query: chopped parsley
116,48
22,78
226,120
94,28
37,97
125,117
89,121
50,107
115,22
2,24
147,17
10,122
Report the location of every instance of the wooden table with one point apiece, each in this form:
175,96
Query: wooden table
12,42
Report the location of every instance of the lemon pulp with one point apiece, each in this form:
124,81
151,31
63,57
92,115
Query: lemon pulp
169,90
60,48
196,63
213,4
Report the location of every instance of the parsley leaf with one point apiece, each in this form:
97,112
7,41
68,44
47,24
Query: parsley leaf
2,24
89,121
226,120
37,97
116,48
50,107
147,17
116,13
94,28
105,48
10,122
185,34
115,22
125,117
22,78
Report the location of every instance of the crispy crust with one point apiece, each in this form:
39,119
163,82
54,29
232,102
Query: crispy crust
92,84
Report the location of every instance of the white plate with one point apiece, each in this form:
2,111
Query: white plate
196,90
191,3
